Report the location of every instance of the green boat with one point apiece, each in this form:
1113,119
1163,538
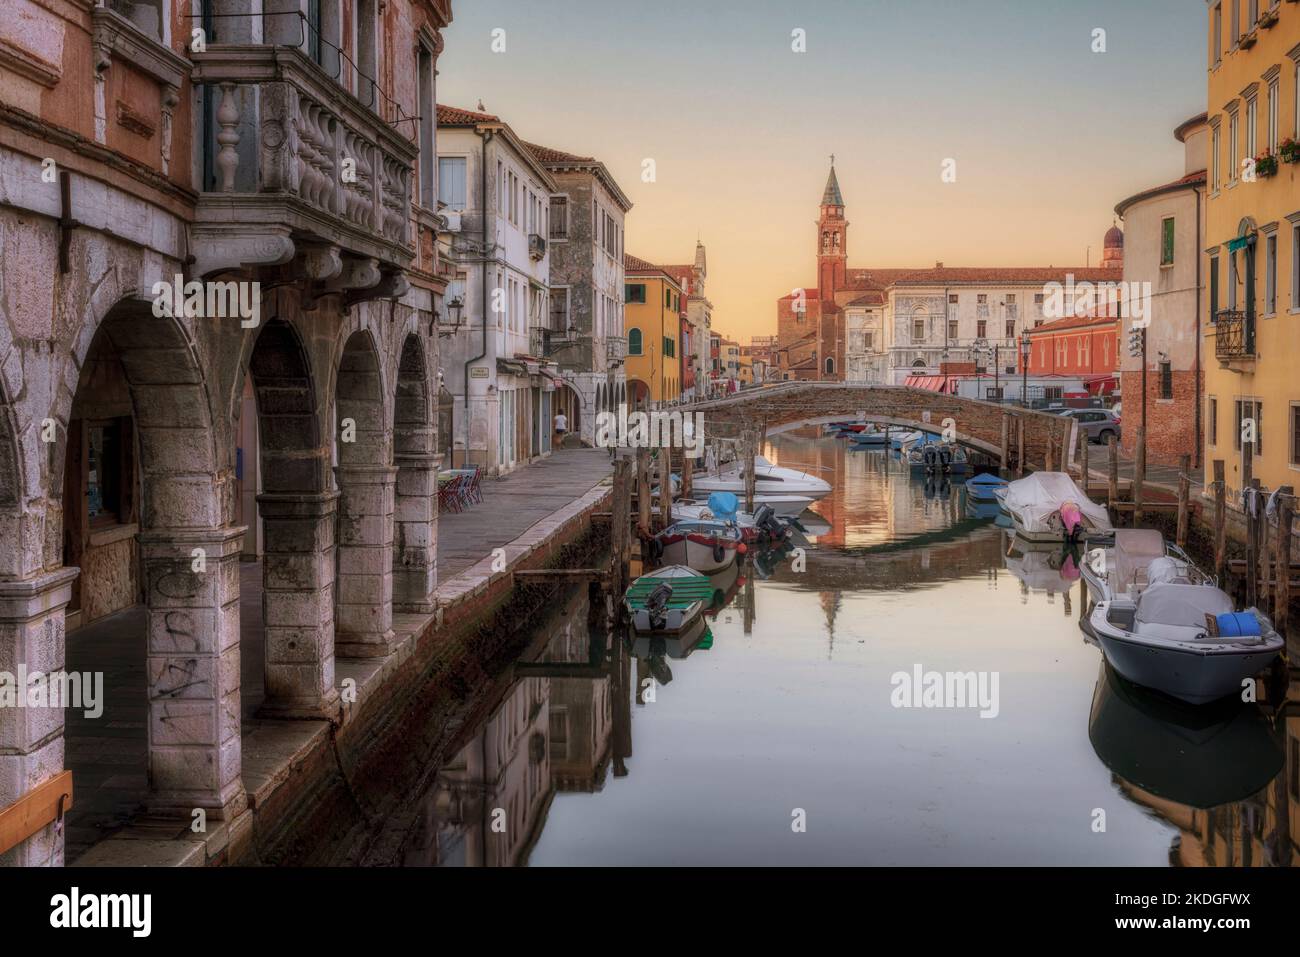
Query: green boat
668,600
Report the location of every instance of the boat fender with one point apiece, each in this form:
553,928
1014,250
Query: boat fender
656,549
719,553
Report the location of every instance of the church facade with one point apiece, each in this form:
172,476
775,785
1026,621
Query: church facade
886,326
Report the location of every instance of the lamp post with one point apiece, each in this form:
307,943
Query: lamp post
1025,347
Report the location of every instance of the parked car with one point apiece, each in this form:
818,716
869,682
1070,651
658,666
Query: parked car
1100,424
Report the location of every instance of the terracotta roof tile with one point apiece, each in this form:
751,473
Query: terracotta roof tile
454,116
546,154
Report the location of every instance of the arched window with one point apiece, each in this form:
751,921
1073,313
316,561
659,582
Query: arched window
634,342
918,364
830,366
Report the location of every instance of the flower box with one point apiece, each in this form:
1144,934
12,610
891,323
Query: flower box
1268,18
1249,39
1266,165
1289,151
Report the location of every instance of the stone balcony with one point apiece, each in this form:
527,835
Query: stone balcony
615,348
309,180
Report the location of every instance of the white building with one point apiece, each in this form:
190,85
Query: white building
909,322
496,198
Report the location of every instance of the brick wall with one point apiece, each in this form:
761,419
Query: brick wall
1171,423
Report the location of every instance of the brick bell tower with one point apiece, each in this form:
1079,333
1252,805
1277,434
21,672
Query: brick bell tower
832,240
832,269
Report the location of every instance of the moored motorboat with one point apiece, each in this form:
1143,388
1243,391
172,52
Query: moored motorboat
946,457
983,488
668,600
761,525
702,544
1164,624
871,438
1049,506
769,480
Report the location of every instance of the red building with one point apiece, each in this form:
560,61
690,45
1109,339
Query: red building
1085,346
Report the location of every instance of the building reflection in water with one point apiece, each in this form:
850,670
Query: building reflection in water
1226,778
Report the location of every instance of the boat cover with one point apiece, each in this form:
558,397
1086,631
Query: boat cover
723,504
1135,550
1182,605
1036,498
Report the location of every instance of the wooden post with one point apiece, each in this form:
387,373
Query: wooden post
620,523
1020,446
1112,490
751,480
1265,592
1247,463
688,466
1049,457
1083,459
1220,523
1184,494
1139,473
1252,553
666,486
1282,588
643,506
1006,439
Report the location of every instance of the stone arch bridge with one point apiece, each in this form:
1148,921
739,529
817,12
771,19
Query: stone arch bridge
984,426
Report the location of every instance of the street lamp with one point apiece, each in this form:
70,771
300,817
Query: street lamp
454,306
1025,347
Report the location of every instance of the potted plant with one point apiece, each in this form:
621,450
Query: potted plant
1265,164
1268,17
1289,150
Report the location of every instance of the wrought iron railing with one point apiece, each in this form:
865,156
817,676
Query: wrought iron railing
1234,335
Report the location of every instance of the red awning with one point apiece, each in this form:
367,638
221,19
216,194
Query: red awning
1101,384
931,383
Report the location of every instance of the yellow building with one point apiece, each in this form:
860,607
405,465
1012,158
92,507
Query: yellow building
652,317
1251,333
746,374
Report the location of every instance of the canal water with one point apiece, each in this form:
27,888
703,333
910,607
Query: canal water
787,740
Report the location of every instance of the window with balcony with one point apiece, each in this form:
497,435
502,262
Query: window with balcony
452,182
1167,241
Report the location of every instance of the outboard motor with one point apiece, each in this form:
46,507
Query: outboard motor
765,521
945,457
656,602
930,456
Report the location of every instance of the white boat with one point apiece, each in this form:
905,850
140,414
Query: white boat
1164,624
1049,506
704,545
763,524
769,480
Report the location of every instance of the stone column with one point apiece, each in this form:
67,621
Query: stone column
31,739
298,603
365,564
415,532
192,593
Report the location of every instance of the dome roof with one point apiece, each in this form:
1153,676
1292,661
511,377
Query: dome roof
1114,238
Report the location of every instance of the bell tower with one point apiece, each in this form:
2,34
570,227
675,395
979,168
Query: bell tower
832,239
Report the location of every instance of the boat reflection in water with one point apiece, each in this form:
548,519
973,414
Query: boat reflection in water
1049,567
1213,771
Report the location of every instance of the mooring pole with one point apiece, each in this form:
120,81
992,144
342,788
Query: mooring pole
1184,495
1220,523
1282,588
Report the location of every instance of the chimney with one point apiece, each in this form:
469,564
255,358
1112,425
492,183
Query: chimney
938,265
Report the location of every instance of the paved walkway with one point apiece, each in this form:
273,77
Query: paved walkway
513,504
108,755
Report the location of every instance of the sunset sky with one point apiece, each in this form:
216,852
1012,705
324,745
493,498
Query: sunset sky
1048,136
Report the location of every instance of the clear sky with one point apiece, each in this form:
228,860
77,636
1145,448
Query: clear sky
1048,136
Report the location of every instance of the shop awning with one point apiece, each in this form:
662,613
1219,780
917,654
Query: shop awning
1241,242
931,383
511,367
1101,384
